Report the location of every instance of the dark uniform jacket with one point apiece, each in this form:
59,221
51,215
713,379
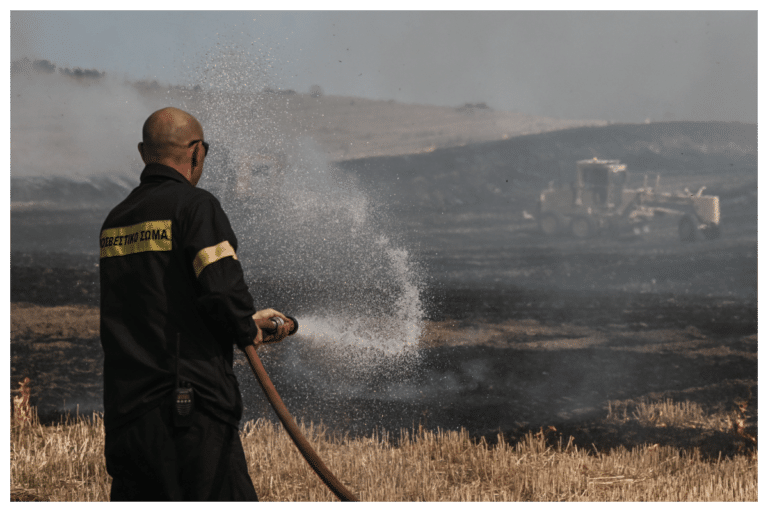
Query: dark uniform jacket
169,271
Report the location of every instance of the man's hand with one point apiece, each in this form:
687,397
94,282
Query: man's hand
282,331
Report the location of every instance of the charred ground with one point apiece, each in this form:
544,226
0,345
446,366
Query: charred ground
522,331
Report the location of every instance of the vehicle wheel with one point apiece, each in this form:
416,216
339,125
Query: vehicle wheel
687,229
711,232
549,223
582,227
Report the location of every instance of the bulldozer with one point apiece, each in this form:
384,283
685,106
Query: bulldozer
598,201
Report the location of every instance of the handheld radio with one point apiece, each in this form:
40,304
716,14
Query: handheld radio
183,396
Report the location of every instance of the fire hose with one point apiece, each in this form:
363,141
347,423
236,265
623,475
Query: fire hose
269,326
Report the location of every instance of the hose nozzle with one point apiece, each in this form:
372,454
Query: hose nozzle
271,325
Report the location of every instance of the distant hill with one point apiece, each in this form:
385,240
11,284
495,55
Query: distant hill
488,172
514,169
65,126
69,123
346,128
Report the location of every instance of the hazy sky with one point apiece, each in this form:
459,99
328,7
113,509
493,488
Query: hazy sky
624,66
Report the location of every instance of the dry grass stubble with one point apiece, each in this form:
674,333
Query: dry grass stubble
65,463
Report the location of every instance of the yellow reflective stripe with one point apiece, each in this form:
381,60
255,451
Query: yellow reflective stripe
154,235
211,255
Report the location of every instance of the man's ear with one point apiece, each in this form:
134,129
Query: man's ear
194,158
141,152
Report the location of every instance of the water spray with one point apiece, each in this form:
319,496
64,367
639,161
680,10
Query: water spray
358,291
270,326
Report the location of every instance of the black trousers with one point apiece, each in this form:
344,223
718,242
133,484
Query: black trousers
151,460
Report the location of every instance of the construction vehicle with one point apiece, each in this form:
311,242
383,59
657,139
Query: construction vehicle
598,201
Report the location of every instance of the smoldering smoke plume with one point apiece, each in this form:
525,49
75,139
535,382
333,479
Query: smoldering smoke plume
74,123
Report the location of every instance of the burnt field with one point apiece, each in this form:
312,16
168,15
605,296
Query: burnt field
520,331
553,346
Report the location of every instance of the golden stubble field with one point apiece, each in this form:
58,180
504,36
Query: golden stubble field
64,462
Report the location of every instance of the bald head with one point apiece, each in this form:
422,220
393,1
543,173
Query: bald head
167,138
167,133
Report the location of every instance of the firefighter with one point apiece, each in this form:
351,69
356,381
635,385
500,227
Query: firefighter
173,304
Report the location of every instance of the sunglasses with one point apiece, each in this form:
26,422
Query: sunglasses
205,145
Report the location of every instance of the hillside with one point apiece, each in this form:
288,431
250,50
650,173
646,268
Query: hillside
683,154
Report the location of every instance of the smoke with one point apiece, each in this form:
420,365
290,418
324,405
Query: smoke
74,123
